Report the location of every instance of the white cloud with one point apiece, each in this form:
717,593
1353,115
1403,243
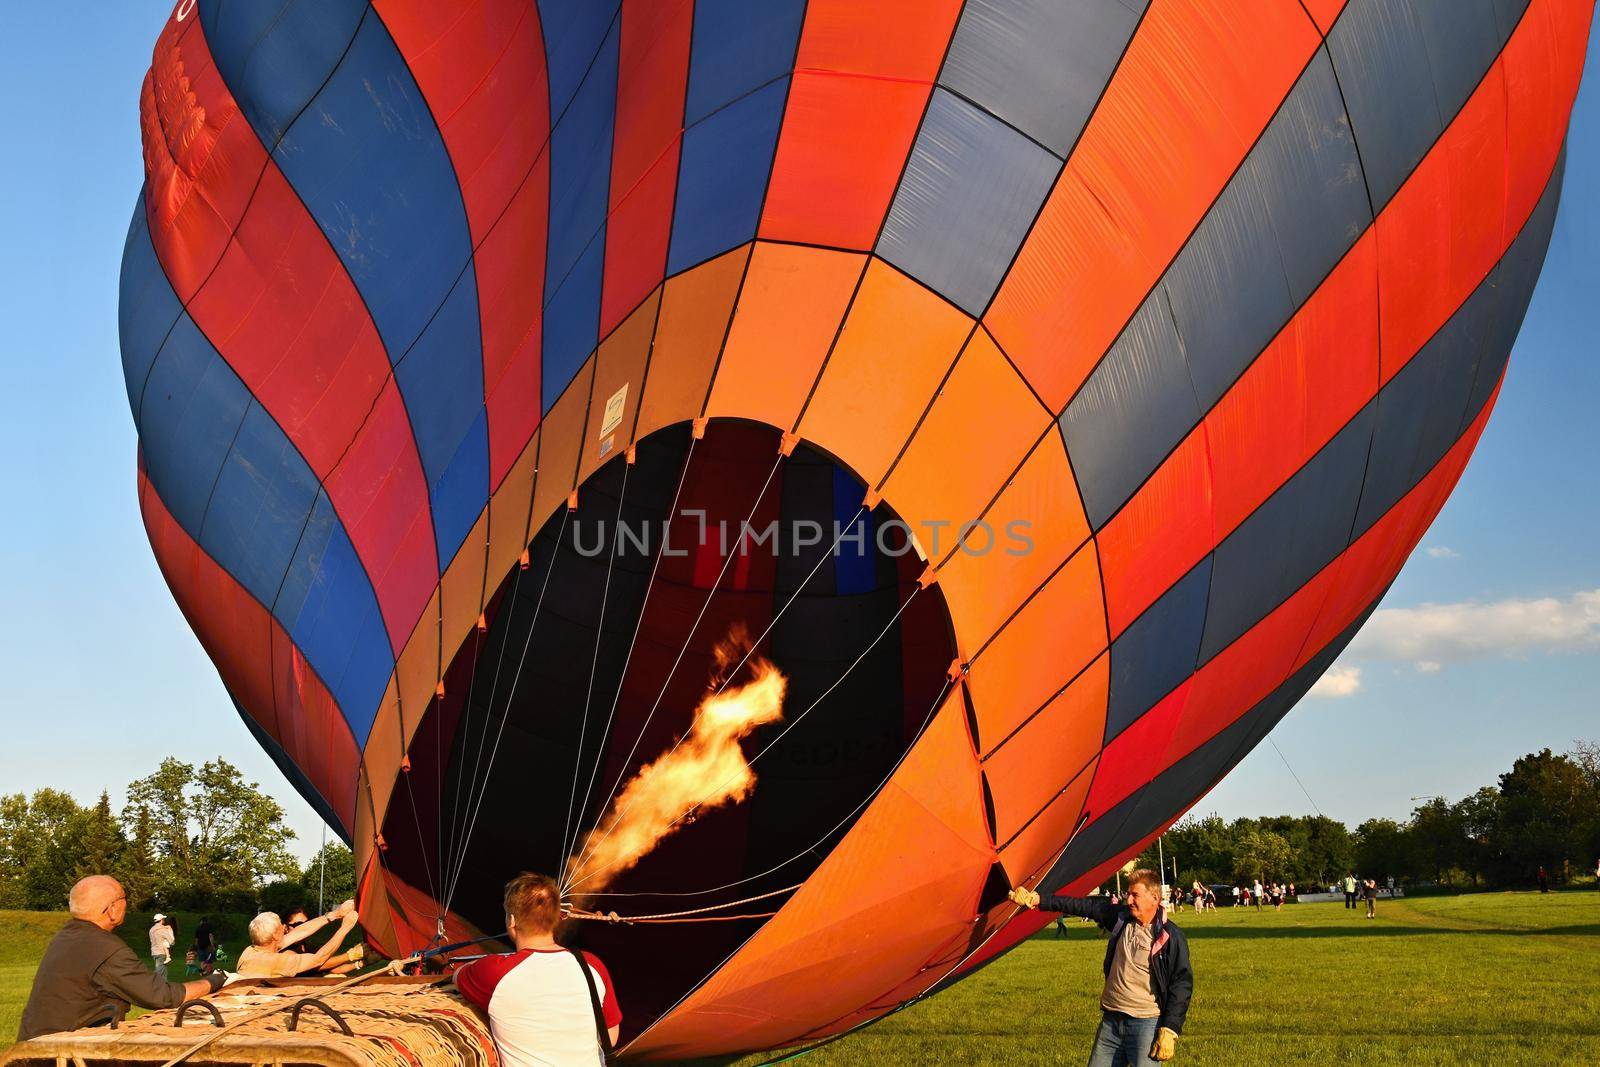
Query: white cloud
1433,635
1443,552
1338,682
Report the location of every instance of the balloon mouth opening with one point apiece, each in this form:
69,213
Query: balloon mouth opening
593,659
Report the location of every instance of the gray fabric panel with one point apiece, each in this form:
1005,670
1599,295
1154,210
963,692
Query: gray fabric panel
1426,405
1310,177
1463,37
1382,59
1299,530
1039,64
1158,652
968,195
1507,14
1228,290
1134,408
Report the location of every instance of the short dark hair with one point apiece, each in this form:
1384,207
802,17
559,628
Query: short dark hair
534,900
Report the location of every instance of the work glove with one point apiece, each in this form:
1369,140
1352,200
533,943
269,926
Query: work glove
1025,897
1165,1045
357,953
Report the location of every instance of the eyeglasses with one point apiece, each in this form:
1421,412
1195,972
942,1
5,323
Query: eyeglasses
120,900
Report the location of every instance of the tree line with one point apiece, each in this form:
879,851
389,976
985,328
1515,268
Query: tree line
1543,812
193,838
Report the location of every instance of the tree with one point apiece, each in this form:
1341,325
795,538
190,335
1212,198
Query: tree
1546,809
1436,840
333,870
99,844
1478,816
160,799
1380,849
137,866
1262,854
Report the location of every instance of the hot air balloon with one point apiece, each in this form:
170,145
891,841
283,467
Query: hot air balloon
1085,372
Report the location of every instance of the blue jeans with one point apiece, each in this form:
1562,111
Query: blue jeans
1122,1041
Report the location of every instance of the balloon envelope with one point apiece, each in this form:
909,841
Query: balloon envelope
1085,373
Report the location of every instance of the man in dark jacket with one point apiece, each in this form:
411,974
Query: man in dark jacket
89,974
1148,978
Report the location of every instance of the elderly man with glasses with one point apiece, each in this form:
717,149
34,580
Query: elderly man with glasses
89,975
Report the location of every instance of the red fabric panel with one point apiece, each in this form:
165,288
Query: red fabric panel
1542,64
258,663
481,67
652,70
1131,759
201,157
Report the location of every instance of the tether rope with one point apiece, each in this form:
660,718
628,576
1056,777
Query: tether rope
594,663
687,915
472,818
791,724
687,640
638,624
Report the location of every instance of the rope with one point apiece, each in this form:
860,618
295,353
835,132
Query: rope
580,913
687,640
471,823
790,725
613,917
638,624
594,666
1295,776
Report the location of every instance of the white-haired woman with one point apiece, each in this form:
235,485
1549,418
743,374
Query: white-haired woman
266,957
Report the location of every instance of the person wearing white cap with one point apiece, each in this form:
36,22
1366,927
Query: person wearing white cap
162,935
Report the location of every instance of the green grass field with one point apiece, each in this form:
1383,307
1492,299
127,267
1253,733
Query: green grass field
1493,979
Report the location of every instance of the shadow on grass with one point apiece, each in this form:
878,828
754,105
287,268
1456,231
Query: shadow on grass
1376,928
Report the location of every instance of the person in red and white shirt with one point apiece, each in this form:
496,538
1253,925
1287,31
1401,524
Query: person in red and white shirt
541,1008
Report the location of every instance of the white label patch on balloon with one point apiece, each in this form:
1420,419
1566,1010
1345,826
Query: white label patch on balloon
614,409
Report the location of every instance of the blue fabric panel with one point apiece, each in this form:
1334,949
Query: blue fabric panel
739,46
1040,65
580,167
275,54
571,321
146,307
1284,543
573,31
193,405
328,607
1228,290
855,563
1154,655
1507,14
1424,409
1310,177
372,169
968,195
1172,789
445,400
461,490
1134,408
262,499
722,177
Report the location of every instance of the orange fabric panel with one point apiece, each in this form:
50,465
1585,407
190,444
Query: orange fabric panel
844,142
1054,636
695,308
1026,770
1325,12
1445,229
1037,845
1199,82
463,590
1160,533
419,670
619,376
903,39
896,346
1040,504
1311,380
508,515
902,883
1541,66
381,758
561,436
789,312
980,427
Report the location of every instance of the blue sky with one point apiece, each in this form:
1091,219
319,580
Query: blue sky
1488,646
